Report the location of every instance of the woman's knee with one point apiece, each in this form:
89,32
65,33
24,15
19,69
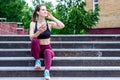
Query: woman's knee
35,41
35,46
49,52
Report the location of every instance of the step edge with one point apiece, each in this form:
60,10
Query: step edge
65,49
65,42
64,68
64,35
59,58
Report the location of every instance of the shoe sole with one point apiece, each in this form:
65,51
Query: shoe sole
37,68
47,79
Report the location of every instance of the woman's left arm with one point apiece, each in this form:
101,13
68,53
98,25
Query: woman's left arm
56,23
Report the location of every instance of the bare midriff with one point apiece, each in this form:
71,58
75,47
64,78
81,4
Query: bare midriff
44,41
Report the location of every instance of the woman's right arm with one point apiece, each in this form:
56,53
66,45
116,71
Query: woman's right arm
39,31
32,34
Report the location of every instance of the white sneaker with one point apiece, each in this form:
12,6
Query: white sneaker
46,75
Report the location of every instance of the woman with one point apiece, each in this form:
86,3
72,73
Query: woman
40,37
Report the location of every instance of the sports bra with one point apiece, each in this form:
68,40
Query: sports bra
44,35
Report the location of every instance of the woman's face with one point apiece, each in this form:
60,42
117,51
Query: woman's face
43,11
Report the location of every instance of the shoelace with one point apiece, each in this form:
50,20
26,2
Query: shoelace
46,73
37,63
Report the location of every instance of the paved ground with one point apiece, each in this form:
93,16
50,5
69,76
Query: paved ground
60,78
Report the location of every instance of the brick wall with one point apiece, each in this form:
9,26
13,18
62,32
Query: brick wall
11,28
109,13
89,4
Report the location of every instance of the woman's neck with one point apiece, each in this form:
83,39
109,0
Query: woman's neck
41,20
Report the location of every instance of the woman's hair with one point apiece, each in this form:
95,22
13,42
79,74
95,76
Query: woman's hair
35,12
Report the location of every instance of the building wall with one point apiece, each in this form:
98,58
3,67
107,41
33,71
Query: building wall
11,28
109,13
89,4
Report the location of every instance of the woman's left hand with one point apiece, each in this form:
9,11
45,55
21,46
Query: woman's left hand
49,16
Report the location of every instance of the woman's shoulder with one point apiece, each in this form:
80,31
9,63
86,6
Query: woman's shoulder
32,23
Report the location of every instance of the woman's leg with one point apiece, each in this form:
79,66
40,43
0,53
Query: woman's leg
48,55
35,48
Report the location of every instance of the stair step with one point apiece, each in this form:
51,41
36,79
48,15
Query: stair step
61,78
64,44
64,52
65,68
86,37
76,56
14,38
61,71
62,61
60,58
72,49
60,42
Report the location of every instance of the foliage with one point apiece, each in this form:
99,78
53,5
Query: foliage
15,11
71,12
37,2
49,5
76,19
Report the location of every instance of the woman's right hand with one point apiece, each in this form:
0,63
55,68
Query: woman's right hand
42,28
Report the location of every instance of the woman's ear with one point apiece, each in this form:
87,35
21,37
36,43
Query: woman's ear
37,12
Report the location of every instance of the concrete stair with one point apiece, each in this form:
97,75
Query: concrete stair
61,78
76,56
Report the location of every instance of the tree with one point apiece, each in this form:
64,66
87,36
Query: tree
49,5
37,2
26,16
76,19
15,11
